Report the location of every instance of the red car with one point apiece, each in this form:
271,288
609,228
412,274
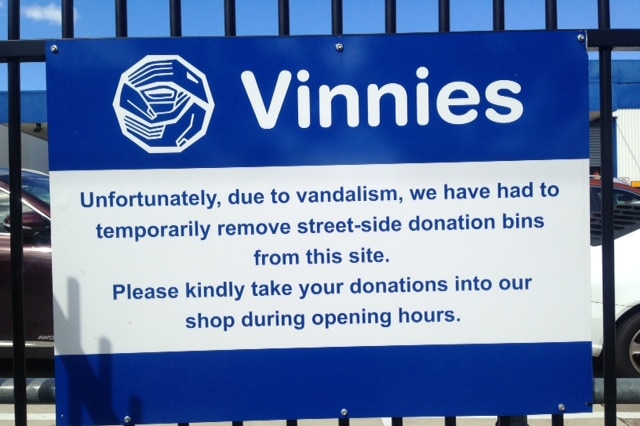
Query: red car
38,296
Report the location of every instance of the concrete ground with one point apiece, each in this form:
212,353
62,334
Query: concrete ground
628,415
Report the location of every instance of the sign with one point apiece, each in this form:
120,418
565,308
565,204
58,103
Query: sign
317,227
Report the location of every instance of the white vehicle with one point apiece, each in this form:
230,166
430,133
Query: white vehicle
627,288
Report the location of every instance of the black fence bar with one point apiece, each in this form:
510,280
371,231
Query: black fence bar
34,50
230,18
122,29
337,17
284,18
15,209
504,421
390,17
444,16
449,421
43,391
618,39
67,19
551,15
175,17
557,419
608,270
22,50
17,290
498,15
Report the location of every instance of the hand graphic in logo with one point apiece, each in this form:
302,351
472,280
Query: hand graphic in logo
163,104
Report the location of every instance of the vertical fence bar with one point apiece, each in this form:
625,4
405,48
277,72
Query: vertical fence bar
551,14
504,421
122,29
390,27
557,419
284,19
337,28
608,258
449,421
498,15
337,18
551,23
396,421
230,18
444,16
175,16
15,210
67,19
391,17
17,255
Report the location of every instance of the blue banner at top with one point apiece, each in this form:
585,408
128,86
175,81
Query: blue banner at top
321,100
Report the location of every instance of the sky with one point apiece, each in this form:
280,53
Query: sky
41,19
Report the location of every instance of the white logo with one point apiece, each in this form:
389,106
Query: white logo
163,104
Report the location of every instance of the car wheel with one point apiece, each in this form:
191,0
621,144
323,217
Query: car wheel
628,347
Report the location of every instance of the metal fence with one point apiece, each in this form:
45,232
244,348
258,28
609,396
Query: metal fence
603,40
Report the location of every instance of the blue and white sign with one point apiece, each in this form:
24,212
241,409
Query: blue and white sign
314,227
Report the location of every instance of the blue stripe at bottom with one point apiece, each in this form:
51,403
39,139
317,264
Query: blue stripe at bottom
270,384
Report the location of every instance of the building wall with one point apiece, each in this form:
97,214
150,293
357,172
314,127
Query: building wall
628,144
35,151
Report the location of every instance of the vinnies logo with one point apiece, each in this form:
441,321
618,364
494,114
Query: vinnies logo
163,104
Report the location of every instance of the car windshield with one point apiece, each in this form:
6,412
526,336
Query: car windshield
36,186
626,213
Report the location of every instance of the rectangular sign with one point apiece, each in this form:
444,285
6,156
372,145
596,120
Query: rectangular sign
317,227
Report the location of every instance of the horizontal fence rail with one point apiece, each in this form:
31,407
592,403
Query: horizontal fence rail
39,391
26,51
43,391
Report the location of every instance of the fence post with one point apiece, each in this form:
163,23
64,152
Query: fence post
512,421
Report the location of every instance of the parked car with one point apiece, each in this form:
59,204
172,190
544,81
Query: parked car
627,288
38,293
